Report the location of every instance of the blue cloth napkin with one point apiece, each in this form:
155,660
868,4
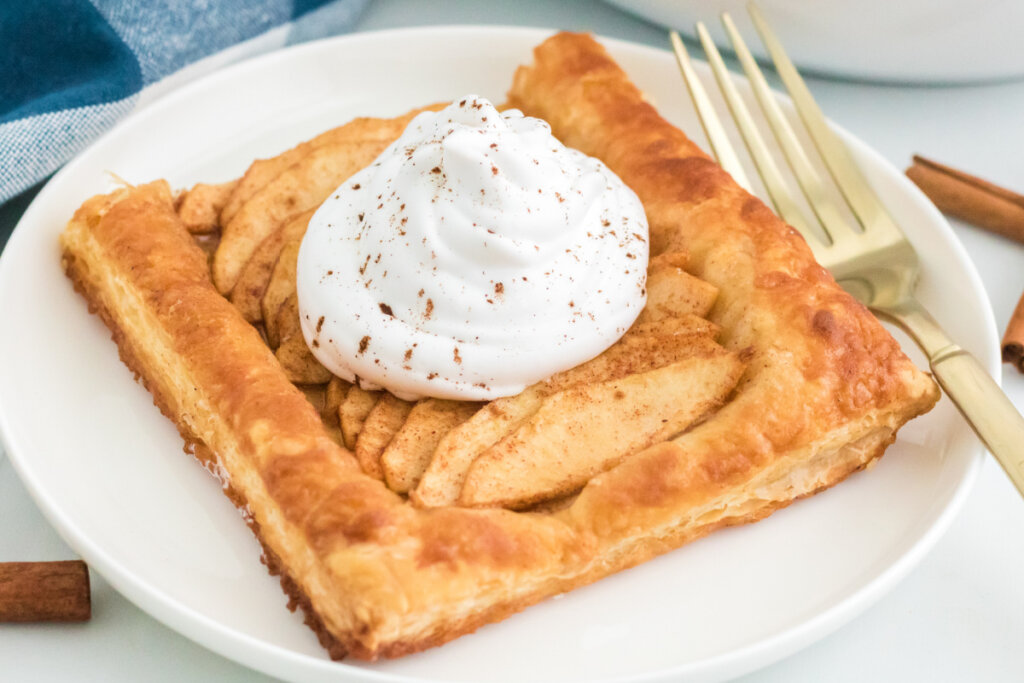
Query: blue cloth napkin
70,69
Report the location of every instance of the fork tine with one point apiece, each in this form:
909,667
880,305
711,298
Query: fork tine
786,207
861,198
837,227
720,145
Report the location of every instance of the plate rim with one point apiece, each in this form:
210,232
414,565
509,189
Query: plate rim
275,659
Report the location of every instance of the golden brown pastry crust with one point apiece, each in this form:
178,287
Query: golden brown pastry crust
823,396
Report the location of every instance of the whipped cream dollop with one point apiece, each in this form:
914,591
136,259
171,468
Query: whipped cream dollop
475,256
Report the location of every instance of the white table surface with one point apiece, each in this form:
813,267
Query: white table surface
958,616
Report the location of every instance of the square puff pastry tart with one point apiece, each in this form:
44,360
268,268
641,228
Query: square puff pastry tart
824,391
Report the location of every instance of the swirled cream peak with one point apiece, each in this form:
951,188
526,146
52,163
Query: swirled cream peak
476,256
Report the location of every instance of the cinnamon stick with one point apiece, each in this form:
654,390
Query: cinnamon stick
1013,340
970,198
44,591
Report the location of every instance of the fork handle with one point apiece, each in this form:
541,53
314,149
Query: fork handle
987,409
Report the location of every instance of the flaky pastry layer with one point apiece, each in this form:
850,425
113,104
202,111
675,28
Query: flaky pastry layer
823,396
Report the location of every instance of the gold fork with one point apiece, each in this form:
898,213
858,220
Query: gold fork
875,262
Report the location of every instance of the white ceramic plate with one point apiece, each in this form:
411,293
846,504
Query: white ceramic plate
915,41
108,470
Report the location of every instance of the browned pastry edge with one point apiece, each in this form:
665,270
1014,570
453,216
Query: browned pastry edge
336,650
297,599
195,447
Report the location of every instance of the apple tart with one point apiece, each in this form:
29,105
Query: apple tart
749,379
